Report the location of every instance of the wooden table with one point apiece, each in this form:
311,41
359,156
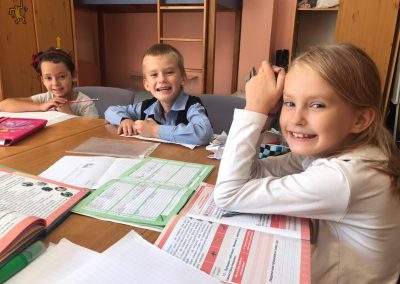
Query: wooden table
89,232
52,133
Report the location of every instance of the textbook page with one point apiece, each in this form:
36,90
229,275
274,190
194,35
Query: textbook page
52,117
88,171
202,206
237,255
9,219
30,205
151,192
35,196
16,227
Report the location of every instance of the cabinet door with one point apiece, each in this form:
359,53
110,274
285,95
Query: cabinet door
369,24
17,44
54,19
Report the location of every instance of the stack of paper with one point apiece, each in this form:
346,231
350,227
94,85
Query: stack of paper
131,260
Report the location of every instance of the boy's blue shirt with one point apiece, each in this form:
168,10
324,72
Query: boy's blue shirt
198,131
156,110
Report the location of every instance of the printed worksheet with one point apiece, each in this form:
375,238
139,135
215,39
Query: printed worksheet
149,193
202,206
237,255
88,171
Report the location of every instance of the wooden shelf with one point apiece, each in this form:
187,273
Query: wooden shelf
181,39
194,70
192,78
176,8
333,9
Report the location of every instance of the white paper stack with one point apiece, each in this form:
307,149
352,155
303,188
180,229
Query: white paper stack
130,260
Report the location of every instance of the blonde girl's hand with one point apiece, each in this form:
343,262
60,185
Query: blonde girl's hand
127,127
263,91
52,104
147,128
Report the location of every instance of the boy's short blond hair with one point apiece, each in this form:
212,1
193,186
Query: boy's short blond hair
166,49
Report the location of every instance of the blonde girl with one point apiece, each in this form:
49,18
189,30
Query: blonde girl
343,169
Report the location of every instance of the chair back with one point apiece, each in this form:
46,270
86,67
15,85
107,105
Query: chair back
220,110
108,96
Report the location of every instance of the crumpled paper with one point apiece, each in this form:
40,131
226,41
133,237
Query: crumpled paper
217,146
272,145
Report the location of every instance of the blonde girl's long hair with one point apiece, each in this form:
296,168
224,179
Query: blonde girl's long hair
355,78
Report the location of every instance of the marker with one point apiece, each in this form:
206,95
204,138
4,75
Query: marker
230,214
83,101
18,262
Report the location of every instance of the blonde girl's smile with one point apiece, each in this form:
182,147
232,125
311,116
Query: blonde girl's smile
301,135
314,120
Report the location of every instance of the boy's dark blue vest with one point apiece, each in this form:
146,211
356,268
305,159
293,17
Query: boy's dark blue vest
182,114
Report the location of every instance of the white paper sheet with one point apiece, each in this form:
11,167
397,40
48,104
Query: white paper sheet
165,269
88,171
130,260
56,263
52,117
190,146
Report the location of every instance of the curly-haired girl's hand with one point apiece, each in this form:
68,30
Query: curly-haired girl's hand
54,103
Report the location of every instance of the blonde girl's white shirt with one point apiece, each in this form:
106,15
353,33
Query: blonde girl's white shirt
87,109
359,217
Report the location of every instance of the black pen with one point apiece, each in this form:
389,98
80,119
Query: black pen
230,214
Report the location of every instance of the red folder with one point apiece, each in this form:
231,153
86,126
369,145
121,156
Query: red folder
13,129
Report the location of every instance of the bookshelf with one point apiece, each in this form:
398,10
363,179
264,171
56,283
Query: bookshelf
371,25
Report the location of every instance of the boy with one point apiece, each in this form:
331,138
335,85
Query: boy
171,115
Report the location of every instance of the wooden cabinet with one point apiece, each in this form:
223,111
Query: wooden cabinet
313,26
369,24
28,26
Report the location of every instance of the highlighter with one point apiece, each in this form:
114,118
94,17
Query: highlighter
18,262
